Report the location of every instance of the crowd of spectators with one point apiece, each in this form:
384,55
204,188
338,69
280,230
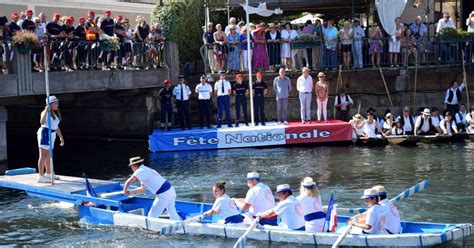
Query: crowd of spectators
323,45
101,43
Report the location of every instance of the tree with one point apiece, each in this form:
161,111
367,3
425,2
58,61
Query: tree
181,21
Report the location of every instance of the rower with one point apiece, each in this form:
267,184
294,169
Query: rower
289,209
357,124
224,206
398,128
372,223
392,216
370,127
310,200
165,195
448,125
259,198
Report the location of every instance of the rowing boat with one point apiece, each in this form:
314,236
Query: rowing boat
455,138
403,140
130,211
471,136
370,142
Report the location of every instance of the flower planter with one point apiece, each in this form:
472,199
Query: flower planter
305,44
23,49
454,39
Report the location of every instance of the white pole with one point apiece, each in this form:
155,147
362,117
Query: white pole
249,65
46,76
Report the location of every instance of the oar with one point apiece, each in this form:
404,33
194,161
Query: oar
386,87
339,240
168,230
405,194
465,80
241,241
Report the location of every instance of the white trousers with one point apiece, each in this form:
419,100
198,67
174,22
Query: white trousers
165,200
322,107
305,103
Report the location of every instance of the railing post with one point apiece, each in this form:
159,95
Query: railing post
3,134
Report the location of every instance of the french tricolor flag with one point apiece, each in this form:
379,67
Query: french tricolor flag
331,215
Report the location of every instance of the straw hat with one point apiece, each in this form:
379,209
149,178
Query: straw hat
427,111
369,193
357,117
283,187
253,175
135,160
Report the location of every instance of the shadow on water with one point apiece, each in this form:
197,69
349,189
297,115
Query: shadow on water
344,171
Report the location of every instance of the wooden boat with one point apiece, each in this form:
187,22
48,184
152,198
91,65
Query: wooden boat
130,211
471,136
371,142
455,138
403,140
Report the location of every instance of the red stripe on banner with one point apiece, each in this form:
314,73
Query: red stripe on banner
332,131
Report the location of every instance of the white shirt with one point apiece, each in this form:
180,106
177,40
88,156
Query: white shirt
225,206
376,218
312,205
204,91
150,178
292,34
218,87
304,84
436,120
345,99
442,24
398,131
359,33
291,213
392,216
54,122
461,117
426,124
186,92
469,117
407,124
260,198
227,29
447,126
455,99
470,25
369,129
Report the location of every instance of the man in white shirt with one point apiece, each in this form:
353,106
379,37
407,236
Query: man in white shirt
407,121
424,124
448,125
259,199
289,209
359,35
182,93
223,89
165,194
443,23
343,103
204,91
232,21
470,121
453,97
391,213
460,118
304,85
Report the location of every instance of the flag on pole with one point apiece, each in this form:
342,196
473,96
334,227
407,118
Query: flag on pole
333,220
261,10
330,217
89,189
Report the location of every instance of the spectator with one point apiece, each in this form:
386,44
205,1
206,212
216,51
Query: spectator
273,38
128,42
232,22
359,35
220,39
346,35
419,31
443,23
299,54
208,39
241,91
453,97
182,92
223,89
282,88
92,36
460,117
81,45
54,33
342,103
376,43
141,37
67,50
28,24
13,26
309,30
409,47
43,21
4,36
470,29
394,43
304,85
259,55
322,94
120,34
233,42
108,26
260,90
288,35
243,47
318,35
204,91
21,19
330,39
155,44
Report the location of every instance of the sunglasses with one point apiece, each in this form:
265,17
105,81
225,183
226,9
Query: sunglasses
406,110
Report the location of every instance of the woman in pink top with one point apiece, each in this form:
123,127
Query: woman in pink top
322,93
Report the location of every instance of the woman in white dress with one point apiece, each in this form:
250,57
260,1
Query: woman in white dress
43,138
394,46
287,36
310,201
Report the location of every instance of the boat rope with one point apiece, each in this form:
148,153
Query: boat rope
225,232
366,241
315,241
421,241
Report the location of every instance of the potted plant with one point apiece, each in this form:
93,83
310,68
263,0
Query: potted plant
304,41
24,41
452,35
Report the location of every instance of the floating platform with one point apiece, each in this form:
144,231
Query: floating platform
272,134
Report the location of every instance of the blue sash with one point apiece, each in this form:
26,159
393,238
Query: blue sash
314,216
300,229
164,187
234,219
45,136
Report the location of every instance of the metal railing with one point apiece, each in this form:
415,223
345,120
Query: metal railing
69,55
429,51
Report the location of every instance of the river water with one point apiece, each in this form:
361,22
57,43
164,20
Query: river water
343,171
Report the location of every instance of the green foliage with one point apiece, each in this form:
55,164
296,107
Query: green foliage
181,21
448,31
